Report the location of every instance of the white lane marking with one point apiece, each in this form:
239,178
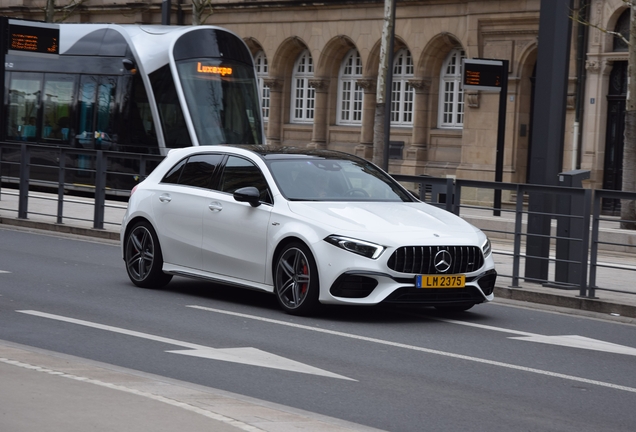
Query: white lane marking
256,357
571,341
4,271
582,342
215,416
426,350
248,356
483,326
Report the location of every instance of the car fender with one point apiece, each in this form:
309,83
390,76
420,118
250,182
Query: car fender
281,230
135,212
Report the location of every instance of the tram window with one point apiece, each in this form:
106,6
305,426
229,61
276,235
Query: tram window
58,100
175,131
223,100
106,109
137,131
24,103
86,110
96,112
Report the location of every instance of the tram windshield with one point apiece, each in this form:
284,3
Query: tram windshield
222,98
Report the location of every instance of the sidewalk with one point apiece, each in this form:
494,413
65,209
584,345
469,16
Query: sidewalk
51,392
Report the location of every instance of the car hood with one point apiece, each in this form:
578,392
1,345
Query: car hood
394,220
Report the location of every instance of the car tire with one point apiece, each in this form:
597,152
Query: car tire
296,283
457,307
143,258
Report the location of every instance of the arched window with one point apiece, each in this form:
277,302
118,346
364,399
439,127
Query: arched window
622,28
350,94
260,62
451,94
402,93
303,96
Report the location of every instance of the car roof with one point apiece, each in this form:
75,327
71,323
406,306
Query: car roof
276,153
269,153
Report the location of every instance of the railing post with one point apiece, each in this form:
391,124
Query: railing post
456,196
587,206
596,221
100,192
450,195
0,173
60,185
142,167
516,252
23,200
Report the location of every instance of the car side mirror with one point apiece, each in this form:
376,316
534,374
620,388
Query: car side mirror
249,195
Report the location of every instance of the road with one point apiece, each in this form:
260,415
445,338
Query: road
496,368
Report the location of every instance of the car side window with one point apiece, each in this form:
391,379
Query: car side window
239,173
175,172
197,171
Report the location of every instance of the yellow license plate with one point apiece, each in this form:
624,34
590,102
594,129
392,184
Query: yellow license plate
440,281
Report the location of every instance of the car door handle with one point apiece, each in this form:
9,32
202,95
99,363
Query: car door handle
215,206
165,198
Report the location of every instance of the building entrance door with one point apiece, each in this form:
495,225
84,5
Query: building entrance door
614,136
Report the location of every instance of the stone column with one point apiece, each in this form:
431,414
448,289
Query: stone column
365,148
319,133
418,150
275,110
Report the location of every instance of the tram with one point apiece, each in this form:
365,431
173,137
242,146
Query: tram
134,89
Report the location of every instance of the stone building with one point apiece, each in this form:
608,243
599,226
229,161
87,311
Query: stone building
317,63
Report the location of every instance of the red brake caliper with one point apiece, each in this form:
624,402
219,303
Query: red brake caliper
303,288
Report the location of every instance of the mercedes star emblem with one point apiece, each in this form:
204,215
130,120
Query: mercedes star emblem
443,261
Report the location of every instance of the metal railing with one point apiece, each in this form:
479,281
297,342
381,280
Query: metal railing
68,171
587,248
583,241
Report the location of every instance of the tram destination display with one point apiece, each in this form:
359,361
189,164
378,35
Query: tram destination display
33,38
482,74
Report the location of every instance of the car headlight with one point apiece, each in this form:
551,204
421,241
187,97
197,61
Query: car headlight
486,248
366,249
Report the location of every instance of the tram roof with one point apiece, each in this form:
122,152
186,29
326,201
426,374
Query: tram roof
150,43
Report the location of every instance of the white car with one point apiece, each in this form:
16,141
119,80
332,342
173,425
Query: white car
310,226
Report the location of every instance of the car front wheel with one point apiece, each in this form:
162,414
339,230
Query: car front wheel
143,257
296,280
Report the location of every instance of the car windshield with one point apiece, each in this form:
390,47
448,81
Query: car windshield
223,101
334,180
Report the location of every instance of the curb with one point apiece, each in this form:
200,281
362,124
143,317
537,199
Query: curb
61,228
580,303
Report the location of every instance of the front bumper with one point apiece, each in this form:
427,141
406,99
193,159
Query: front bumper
360,287
348,279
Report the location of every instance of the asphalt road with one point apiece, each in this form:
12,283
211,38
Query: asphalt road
496,368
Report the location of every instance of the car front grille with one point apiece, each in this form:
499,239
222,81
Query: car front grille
421,259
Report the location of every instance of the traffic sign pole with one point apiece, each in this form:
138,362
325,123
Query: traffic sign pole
491,75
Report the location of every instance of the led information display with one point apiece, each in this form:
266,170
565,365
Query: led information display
34,38
215,70
483,74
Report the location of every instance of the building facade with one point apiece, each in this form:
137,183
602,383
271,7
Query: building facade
317,63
